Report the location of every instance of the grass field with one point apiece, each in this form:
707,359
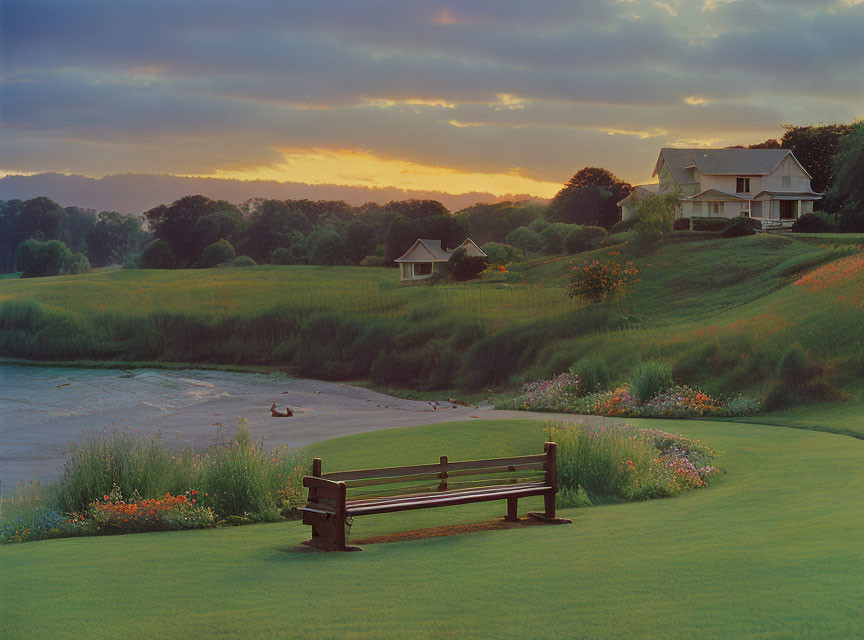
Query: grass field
770,550
722,311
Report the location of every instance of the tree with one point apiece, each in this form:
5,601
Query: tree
401,234
80,223
655,215
218,253
43,219
486,222
590,198
114,237
525,239
193,222
157,255
326,248
271,225
360,240
815,148
443,228
38,259
416,209
847,190
502,254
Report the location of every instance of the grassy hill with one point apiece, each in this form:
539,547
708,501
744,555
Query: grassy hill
768,551
722,311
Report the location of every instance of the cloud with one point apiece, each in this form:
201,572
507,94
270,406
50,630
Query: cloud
210,88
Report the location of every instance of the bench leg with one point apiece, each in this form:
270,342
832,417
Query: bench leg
328,534
512,515
549,511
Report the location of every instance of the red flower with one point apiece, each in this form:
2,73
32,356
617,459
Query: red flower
106,498
193,492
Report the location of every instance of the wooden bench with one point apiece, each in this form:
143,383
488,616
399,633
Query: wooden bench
422,487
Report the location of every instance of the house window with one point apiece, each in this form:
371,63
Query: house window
422,269
716,208
697,208
786,181
742,185
756,209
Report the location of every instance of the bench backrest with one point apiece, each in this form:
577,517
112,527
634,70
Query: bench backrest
444,475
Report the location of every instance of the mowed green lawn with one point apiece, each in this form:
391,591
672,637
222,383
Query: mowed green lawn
771,550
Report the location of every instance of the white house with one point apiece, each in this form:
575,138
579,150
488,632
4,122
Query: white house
767,184
418,263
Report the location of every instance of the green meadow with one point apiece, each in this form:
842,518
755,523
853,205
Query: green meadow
721,311
769,550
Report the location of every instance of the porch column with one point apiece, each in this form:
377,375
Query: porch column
798,209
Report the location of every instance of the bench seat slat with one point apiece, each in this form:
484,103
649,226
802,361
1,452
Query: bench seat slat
444,494
444,500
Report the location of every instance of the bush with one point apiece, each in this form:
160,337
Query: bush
218,253
813,223
708,224
78,263
740,226
281,255
132,261
593,374
651,378
242,261
792,368
157,255
39,259
596,281
627,463
503,254
469,268
375,261
681,224
623,226
580,238
524,238
655,215
850,219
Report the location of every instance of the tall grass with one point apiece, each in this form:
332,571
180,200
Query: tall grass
712,309
624,463
125,459
235,476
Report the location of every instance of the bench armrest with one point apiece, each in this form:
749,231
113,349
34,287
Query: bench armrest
319,483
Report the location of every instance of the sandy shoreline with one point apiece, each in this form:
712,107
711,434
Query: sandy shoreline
322,410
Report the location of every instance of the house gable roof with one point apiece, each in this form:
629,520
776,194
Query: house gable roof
745,162
425,250
472,249
640,191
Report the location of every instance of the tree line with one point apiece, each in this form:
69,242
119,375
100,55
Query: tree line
195,231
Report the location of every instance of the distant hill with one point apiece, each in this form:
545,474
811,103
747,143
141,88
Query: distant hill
135,193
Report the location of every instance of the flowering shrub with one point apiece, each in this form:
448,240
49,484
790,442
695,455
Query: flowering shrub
550,395
602,464
44,525
115,515
596,281
677,401
235,481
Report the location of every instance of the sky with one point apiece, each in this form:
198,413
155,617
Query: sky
486,95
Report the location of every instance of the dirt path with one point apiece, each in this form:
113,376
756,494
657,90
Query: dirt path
33,447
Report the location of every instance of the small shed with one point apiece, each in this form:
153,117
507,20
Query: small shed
418,263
